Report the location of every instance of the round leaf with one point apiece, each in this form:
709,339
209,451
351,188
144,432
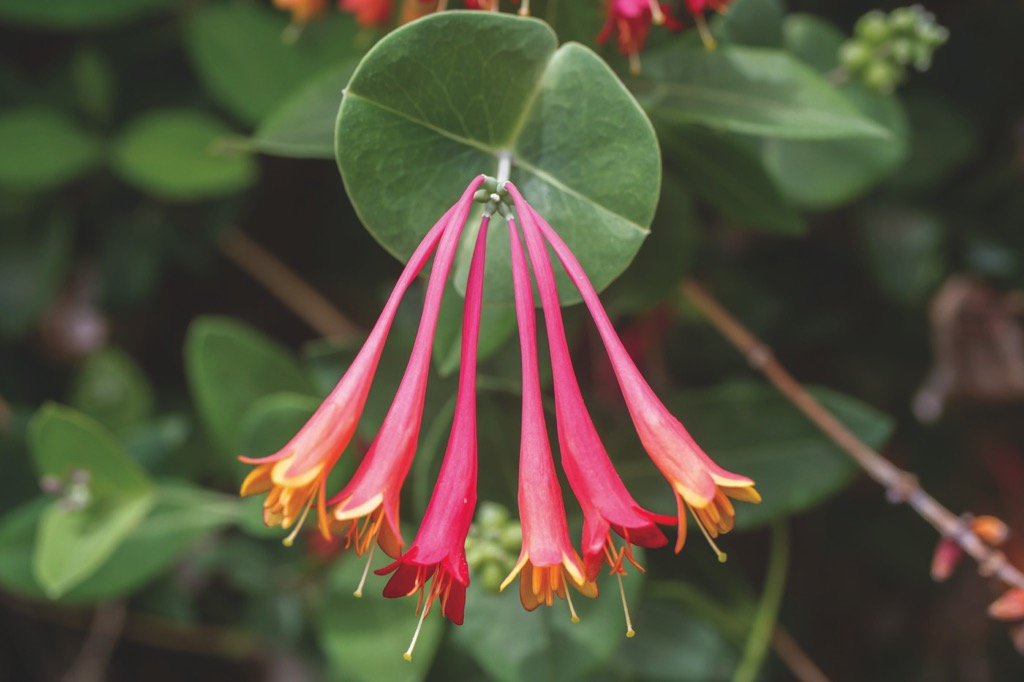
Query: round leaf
418,123
180,155
43,149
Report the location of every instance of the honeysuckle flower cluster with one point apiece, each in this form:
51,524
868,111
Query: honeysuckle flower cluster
365,513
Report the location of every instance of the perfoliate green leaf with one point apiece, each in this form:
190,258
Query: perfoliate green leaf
419,122
183,155
43,149
748,90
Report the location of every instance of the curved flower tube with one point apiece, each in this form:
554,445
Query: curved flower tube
696,480
371,498
606,503
297,473
547,561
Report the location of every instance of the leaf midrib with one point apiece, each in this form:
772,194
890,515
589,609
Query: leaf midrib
517,162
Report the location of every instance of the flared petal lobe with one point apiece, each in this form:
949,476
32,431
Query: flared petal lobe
547,560
696,480
370,501
298,472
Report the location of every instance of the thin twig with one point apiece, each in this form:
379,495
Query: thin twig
294,292
798,662
98,647
901,486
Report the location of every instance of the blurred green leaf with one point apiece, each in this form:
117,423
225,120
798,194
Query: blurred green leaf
821,174
752,430
302,126
182,155
229,367
75,14
747,90
244,60
112,389
756,23
905,247
674,645
181,515
515,645
93,78
74,541
497,325
406,153
727,174
34,260
941,140
272,420
43,149
364,638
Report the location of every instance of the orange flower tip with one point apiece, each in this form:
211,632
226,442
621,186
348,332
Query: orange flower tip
990,529
1010,606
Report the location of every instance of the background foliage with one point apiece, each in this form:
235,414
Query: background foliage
137,136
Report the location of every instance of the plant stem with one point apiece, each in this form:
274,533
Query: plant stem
901,486
760,637
294,292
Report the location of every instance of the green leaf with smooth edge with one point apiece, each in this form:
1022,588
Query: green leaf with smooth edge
245,61
75,14
43,149
748,90
181,515
273,420
364,638
757,23
725,173
64,440
418,123
515,645
72,543
942,139
182,155
302,126
752,430
826,173
230,366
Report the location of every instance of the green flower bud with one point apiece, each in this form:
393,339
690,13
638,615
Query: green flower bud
873,28
512,537
882,76
922,57
492,516
933,35
905,19
491,577
855,55
903,50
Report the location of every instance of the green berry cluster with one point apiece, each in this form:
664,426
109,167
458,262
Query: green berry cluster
492,547
884,46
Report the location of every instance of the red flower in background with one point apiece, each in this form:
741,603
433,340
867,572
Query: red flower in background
368,13
630,21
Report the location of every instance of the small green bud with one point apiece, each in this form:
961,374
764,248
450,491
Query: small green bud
904,19
903,50
873,27
492,516
882,76
933,35
491,577
922,57
855,55
512,537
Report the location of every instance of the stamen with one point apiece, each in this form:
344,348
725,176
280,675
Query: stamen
524,11
722,556
657,16
630,632
290,540
634,63
408,652
366,571
572,609
442,5
705,33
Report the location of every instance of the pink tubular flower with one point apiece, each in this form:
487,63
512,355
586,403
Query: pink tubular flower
297,473
547,560
368,13
372,496
696,480
631,20
439,549
606,503
697,8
